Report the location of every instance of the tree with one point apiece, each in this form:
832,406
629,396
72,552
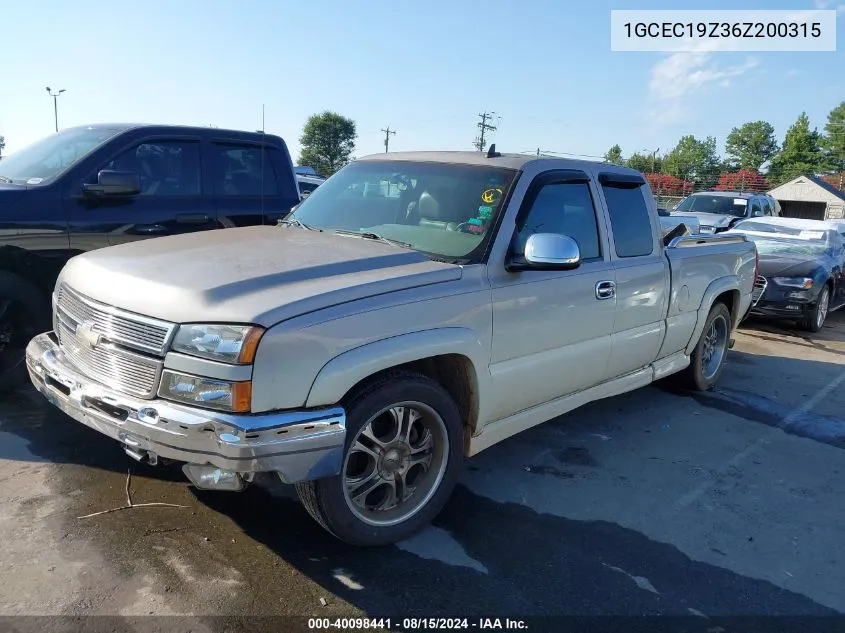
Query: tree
614,155
836,180
751,145
328,140
666,185
694,160
833,140
645,163
801,152
743,180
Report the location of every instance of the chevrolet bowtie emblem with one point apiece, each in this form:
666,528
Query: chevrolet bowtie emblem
85,332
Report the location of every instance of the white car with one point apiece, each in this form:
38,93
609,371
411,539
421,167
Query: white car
307,184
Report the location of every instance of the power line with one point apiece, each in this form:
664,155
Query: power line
387,133
484,126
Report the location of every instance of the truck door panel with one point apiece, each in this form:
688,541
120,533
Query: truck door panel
551,330
171,200
642,276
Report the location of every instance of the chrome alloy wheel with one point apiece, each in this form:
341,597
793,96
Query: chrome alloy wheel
824,304
395,463
715,347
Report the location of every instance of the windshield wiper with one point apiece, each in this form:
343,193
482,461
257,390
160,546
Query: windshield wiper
297,223
367,235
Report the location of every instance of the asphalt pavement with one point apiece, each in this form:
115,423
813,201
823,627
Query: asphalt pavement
651,503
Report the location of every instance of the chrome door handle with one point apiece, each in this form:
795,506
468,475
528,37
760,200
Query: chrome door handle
605,290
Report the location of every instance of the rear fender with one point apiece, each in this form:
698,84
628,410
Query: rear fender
717,287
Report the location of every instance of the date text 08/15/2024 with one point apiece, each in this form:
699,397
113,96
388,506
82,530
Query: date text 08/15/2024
416,624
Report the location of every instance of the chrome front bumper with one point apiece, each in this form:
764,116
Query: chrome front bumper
299,445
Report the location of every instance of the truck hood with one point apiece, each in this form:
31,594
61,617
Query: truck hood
708,219
260,274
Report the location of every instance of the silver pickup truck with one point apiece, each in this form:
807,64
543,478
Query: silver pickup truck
414,310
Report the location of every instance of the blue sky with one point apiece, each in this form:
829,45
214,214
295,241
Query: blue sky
425,69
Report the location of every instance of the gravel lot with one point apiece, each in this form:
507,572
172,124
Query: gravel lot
649,503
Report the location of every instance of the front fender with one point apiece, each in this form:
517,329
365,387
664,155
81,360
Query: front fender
729,283
343,372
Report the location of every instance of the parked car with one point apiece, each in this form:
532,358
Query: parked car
668,223
381,334
801,269
100,185
307,184
718,211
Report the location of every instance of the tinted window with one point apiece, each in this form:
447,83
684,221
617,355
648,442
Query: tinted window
756,209
166,168
306,187
630,221
767,207
565,208
238,171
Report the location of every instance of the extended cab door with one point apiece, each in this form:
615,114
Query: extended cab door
642,273
170,202
551,329
251,183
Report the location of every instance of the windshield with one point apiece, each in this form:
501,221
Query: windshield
721,205
44,160
789,246
444,210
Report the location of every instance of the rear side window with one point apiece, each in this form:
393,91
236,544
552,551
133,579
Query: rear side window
243,170
629,219
767,207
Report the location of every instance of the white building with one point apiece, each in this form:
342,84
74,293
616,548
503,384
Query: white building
810,198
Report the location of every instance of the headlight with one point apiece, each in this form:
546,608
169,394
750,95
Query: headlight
794,282
218,341
211,393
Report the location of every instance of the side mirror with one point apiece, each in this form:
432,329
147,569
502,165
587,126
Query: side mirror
757,213
114,183
547,251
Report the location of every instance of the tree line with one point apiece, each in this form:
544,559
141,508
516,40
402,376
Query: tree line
753,160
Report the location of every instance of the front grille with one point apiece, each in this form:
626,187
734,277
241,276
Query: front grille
117,348
760,284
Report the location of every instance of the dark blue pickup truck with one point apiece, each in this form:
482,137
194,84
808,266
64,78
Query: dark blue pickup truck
100,185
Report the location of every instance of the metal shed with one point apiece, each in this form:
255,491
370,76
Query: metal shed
810,198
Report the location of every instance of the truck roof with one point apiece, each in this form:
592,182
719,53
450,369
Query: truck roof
508,161
729,194
166,127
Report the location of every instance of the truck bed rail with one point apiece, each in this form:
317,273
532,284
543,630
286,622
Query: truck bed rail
687,241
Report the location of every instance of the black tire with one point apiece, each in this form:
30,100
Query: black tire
814,321
694,377
24,312
326,499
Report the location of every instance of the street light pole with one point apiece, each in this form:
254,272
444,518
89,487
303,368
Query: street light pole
55,104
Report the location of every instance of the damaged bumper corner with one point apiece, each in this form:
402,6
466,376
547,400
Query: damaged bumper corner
298,445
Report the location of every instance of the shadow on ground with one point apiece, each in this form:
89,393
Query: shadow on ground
508,560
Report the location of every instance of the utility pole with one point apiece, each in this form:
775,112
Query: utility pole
387,133
55,104
484,126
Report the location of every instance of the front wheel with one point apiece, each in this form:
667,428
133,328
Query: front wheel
403,452
814,321
708,357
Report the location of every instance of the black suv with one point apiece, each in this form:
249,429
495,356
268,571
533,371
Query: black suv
100,185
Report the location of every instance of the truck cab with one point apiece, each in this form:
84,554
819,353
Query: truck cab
94,186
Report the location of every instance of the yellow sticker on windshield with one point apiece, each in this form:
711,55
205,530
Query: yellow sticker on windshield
490,196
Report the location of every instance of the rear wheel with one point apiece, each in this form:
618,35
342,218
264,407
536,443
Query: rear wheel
23,314
708,357
404,448
814,321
